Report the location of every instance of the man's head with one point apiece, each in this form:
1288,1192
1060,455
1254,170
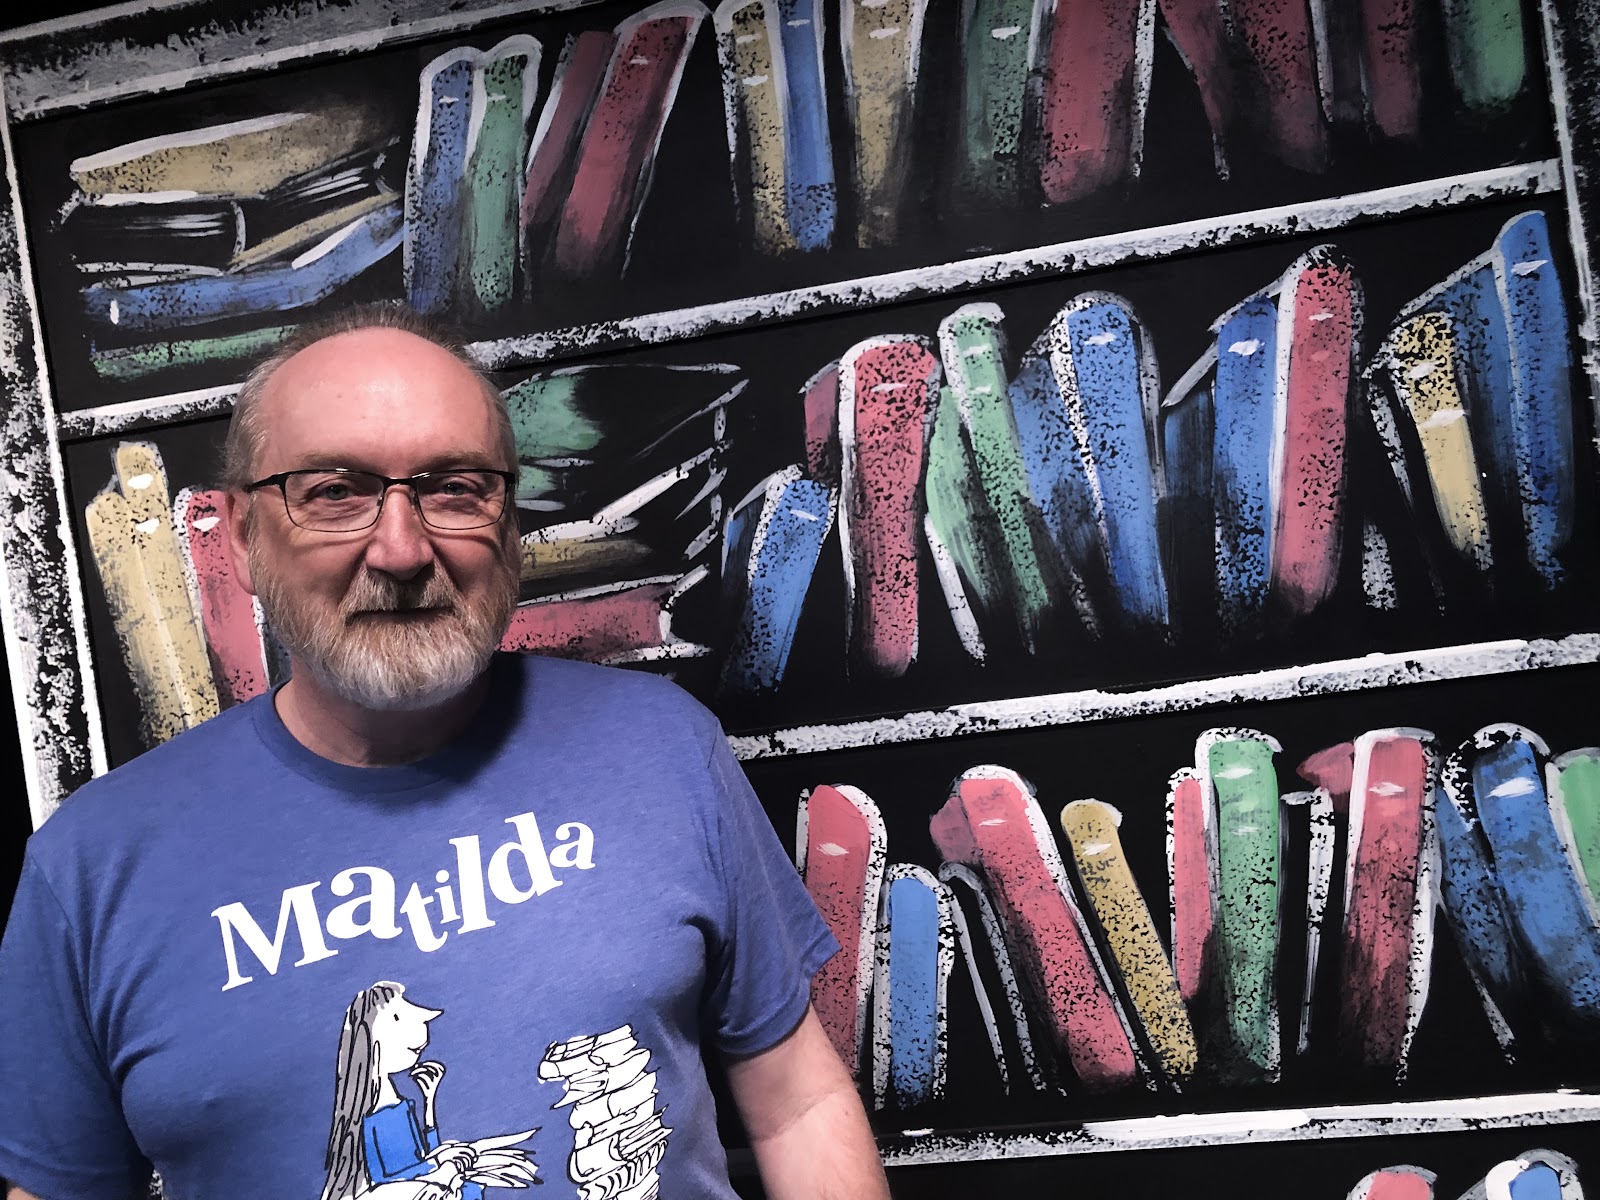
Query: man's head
401,614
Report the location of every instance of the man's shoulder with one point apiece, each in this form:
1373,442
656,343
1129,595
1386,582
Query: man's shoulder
158,784
593,687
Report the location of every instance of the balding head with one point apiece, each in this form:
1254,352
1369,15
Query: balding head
249,429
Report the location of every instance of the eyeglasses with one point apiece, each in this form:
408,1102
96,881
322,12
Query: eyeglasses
336,500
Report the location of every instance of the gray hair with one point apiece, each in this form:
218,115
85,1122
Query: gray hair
245,432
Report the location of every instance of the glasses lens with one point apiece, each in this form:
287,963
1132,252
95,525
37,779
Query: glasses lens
333,501
461,499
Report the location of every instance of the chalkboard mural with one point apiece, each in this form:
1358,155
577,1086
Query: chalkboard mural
1122,471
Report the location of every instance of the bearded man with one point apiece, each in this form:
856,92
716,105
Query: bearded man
204,965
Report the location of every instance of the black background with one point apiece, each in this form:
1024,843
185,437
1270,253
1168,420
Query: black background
909,782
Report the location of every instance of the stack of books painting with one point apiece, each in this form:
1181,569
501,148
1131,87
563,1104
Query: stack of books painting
178,235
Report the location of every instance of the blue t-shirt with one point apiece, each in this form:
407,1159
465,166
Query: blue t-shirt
249,966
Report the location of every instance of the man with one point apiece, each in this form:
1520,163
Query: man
428,919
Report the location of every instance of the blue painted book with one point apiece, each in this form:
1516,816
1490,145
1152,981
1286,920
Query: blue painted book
1058,480
435,197
1545,899
1532,1175
1244,416
1106,371
811,195
1541,421
305,279
773,540
916,950
1475,907
1511,336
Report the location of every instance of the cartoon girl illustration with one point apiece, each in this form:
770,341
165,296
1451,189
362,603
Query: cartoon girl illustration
378,1146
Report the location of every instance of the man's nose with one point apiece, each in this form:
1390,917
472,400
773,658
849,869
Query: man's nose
399,545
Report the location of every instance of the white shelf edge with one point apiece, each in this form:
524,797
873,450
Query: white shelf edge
1369,672
1528,1110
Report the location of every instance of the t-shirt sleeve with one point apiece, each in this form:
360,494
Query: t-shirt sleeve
774,940
62,1134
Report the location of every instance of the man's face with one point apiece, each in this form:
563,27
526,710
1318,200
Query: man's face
401,615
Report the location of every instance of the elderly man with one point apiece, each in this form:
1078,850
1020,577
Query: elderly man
428,919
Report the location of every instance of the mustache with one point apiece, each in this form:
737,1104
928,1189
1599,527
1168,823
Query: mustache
374,592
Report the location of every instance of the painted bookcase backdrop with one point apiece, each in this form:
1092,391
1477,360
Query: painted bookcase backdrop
1123,471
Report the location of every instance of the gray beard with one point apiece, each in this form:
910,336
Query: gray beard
384,664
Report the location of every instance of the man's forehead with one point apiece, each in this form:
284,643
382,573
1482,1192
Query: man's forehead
372,360
381,377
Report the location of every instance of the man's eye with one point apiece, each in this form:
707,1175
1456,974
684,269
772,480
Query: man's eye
456,487
331,491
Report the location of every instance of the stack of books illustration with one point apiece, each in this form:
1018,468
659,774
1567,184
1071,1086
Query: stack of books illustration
234,221
622,504
619,1136
1081,988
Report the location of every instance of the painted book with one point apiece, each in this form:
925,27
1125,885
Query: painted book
841,851
621,623
1105,371
1235,767
142,304
1129,937
553,153
772,543
981,477
1547,903
888,389
616,153
1000,44
915,953
1390,895
1279,42
229,616
1096,63
993,824
881,45
140,565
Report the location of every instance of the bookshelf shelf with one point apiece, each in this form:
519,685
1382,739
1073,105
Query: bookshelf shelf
1368,672
1563,1107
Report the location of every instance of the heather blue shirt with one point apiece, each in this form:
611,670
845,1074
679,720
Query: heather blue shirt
583,889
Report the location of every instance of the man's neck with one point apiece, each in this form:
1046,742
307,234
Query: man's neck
333,728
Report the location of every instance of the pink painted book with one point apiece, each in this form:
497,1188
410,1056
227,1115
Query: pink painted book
841,851
1389,897
888,390
993,823
227,611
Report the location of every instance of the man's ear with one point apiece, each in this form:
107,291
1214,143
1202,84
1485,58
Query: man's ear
238,520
